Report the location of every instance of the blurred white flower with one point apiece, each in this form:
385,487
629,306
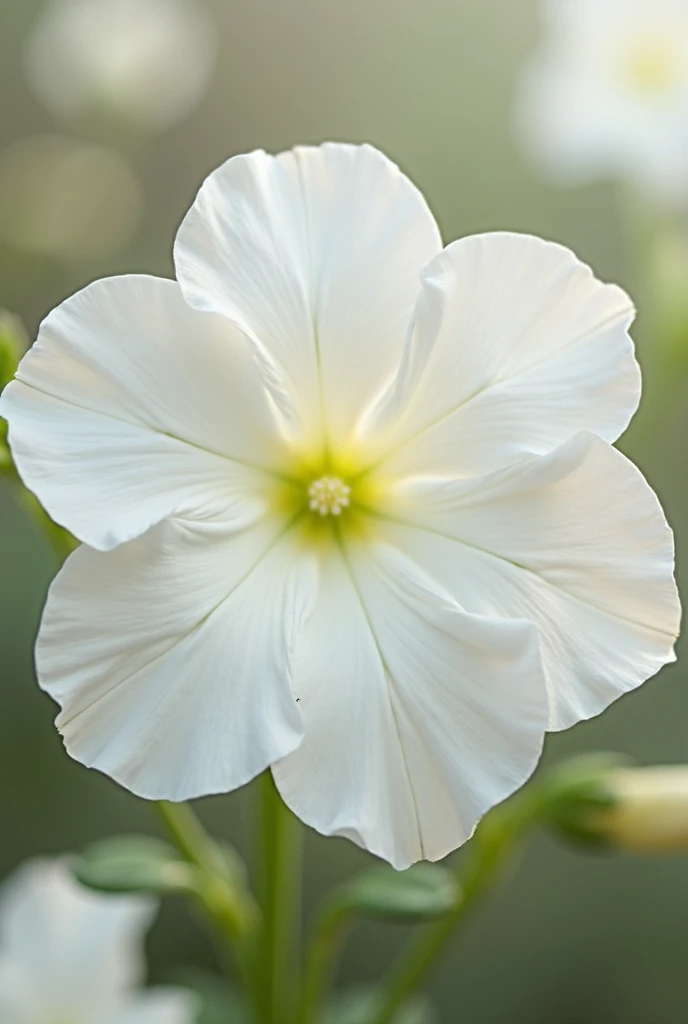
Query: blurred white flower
70,956
67,198
147,60
607,93
349,505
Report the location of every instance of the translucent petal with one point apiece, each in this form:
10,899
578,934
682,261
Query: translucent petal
575,542
315,254
418,716
131,407
171,656
515,347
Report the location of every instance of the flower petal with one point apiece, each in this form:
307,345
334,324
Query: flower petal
131,406
574,541
170,657
315,254
515,347
65,951
418,717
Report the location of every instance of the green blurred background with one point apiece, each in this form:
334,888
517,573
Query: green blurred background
569,937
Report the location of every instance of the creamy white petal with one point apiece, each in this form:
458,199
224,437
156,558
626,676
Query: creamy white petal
315,254
131,406
158,1006
515,347
66,953
349,776
171,656
418,716
576,542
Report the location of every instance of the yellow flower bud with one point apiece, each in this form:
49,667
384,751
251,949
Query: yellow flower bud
649,809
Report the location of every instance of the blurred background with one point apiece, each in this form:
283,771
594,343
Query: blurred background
104,140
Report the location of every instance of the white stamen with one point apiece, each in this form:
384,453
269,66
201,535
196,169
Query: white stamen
328,495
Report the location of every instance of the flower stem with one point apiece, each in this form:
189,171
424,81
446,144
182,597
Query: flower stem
191,839
320,955
280,897
228,904
493,841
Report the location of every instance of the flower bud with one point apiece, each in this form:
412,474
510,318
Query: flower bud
648,810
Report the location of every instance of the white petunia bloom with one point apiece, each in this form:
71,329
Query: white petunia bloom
70,956
607,93
349,506
147,60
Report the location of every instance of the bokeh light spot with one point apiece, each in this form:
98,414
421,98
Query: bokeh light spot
66,198
148,61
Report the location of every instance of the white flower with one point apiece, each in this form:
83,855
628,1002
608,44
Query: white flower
69,956
496,570
146,60
607,94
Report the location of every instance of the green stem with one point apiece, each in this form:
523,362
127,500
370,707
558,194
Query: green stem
191,839
227,903
280,892
493,841
320,956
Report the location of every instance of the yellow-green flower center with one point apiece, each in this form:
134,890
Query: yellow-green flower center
328,496
652,66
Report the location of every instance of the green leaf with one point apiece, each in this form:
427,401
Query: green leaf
358,1006
422,893
13,343
134,864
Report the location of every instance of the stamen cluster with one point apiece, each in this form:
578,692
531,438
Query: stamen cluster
328,496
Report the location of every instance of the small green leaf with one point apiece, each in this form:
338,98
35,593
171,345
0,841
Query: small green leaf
422,893
358,1006
134,864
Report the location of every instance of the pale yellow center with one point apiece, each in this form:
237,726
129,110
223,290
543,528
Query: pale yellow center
652,66
328,496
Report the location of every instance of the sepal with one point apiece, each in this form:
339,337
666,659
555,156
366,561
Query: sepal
574,792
